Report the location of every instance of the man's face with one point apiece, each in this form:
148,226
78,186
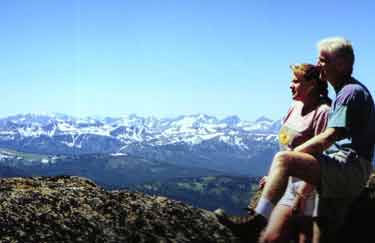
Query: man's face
326,63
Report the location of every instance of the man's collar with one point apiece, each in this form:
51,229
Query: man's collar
344,81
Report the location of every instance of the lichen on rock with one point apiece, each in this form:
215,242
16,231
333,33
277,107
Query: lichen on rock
74,209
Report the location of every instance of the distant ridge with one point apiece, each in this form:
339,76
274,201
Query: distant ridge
228,144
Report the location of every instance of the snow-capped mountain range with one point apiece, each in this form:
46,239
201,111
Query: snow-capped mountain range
195,139
191,129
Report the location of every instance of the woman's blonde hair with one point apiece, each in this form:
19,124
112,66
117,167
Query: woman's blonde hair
308,71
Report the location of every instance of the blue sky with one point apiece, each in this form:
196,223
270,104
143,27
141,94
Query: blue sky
169,58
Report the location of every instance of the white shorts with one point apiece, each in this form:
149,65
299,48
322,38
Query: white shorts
290,195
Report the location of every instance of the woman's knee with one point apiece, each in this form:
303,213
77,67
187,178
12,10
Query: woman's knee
282,159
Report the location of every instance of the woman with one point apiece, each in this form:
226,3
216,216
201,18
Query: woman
306,118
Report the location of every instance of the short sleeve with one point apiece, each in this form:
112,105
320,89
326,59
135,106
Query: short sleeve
344,109
321,121
290,110
339,117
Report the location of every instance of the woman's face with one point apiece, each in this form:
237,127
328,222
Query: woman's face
301,88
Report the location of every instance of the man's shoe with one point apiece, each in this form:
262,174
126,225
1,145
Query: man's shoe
247,227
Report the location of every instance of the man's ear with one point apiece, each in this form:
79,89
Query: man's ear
342,65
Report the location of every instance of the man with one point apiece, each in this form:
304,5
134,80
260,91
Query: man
340,173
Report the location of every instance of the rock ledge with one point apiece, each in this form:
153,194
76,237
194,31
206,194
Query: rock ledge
74,209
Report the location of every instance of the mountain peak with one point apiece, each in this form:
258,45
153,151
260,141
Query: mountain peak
263,119
231,120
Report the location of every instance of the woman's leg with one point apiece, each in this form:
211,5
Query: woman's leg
305,229
279,228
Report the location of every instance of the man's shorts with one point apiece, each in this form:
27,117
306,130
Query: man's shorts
291,193
343,176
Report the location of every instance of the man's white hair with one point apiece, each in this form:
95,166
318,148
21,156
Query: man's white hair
337,46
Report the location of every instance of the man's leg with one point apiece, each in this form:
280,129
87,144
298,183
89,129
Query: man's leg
287,163
332,213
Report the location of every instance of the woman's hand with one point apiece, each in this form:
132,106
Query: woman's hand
302,194
262,182
299,205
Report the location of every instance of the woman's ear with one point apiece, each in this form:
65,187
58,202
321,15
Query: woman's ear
313,84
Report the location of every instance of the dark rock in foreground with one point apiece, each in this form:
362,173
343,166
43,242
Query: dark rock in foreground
74,209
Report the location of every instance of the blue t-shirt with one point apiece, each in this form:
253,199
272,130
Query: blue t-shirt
353,109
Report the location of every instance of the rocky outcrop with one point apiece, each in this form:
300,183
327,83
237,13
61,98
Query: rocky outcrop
74,209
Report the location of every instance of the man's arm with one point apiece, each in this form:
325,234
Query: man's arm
315,145
321,142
